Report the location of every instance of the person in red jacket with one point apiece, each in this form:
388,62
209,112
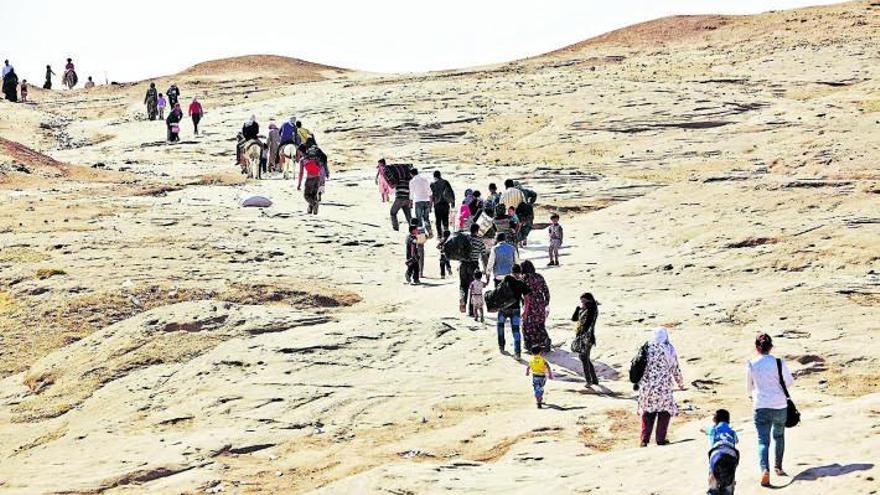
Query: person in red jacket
196,111
311,168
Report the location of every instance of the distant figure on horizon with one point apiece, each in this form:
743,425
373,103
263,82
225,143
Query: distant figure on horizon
90,84
10,85
152,100
70,78
49,74
195,112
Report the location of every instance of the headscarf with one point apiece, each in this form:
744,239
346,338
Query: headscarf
292,120
251,120
468,196
661,338
272,124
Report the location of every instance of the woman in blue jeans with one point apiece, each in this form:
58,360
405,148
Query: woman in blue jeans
770,404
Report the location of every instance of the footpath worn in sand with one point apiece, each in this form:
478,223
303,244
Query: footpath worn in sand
716,175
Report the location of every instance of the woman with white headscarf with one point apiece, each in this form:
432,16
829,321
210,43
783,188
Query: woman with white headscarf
656,402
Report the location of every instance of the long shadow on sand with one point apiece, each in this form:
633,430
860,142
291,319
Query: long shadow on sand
831,470
571,363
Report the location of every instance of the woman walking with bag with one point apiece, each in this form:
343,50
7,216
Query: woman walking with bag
768,381
585,315
656,402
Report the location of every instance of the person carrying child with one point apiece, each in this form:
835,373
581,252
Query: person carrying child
723,455
412,256
555,232
161,103
445,265
540,370
475,292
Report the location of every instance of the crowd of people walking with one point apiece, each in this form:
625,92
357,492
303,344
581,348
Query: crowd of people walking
486,236
17,90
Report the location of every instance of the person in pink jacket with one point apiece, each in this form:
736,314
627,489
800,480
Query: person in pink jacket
384,187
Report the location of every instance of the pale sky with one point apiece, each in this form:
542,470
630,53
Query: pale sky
128,40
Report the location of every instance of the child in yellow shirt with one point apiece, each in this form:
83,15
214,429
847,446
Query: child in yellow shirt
540,370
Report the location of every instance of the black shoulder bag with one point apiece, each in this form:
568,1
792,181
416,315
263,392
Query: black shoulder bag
793,416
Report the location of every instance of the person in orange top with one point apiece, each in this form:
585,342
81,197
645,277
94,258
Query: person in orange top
196,111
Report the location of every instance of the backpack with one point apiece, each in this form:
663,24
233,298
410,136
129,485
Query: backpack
638,365
525,210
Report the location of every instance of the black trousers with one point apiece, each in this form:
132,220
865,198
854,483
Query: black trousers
412,270
445,266
465,276
589,372
196,118
441,216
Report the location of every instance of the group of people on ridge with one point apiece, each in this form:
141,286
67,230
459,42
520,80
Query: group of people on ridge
16,91
157,102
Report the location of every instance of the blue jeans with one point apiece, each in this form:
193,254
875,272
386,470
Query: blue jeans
423,214
538,382
503,316
765,421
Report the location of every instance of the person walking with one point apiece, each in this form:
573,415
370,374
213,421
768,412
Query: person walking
420,195
24,91
7,68
382,182
467,268
535,309
151,100
443,197
173,95
412,256
10,84
195,112
540,370
273,141
585,315
502,259
765,379
89,83
511,311
656,402
173,123
556,234
512,196
49,74
401,202
161,103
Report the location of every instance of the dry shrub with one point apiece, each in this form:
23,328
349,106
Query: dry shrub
44,273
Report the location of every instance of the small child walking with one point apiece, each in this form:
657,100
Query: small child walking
475,293
555,231
723,455
540,370
412,256
445,265
160,104
24,90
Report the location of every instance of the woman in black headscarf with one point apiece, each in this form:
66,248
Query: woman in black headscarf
10,86
585,315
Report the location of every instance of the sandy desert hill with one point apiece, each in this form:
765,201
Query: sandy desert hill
715,174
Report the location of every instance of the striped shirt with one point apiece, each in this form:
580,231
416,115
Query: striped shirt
402,191
478,249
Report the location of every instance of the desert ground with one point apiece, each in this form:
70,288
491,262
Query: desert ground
715,175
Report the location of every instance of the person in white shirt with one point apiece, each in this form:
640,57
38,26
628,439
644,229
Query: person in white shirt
420,195
512,196
770,403
6,67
